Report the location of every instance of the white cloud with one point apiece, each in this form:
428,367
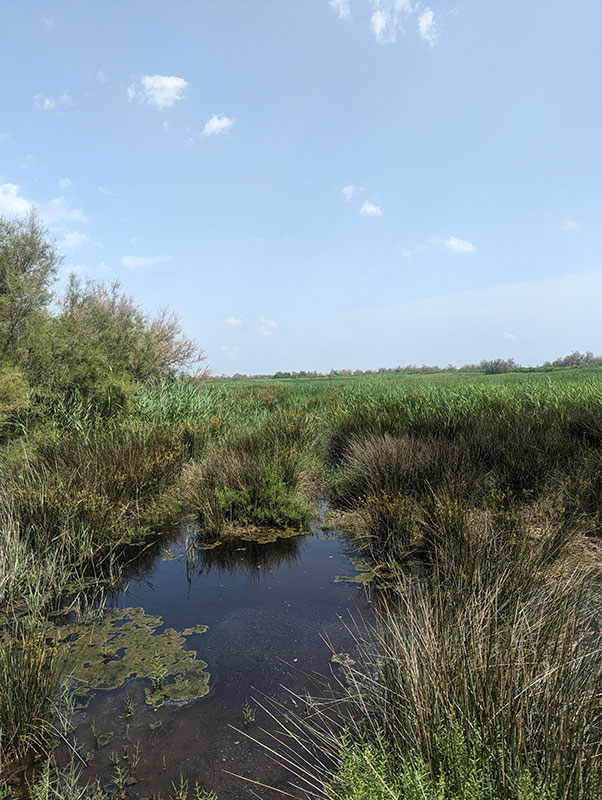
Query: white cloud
427,27
267,326
370,209
108,192
49,103
217,124
73,240
64,183
341,7
55,213
29,160
568,225
160,91
101,76
386,20
165,126
48,21
139,262
349,191
234,322
12,203
511,337
458,245
59,211
4,136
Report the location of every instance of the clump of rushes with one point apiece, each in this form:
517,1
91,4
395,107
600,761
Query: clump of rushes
479,679
29,670
103,482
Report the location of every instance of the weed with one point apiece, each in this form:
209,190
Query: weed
128,706
248,713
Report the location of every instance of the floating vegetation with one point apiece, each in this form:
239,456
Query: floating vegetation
171,555
194,629
138,651
344,659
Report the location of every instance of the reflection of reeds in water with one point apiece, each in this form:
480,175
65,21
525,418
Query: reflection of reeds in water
238,555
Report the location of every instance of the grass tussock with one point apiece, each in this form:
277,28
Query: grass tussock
262,477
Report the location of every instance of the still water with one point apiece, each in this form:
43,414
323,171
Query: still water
269,608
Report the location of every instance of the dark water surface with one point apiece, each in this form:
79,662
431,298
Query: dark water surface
268,607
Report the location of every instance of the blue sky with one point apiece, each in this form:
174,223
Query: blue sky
315,184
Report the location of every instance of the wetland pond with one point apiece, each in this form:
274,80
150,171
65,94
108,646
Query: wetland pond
268,608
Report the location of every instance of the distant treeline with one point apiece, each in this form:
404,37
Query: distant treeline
491,367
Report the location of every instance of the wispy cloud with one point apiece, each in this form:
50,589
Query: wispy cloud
159,91
73,240
59,211
29,160
416,250
44,103
234,322
568,225
428,30
140,262
510,337
4,136
386,20
108,192
349,191
48,21
370,209
267,326
231,352
342,8
64,183
217,124
456,245
389,16
452,243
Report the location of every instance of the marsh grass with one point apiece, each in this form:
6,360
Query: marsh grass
266,476
480,679
29,670
475,492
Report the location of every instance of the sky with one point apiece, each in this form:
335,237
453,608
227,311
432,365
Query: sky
317,184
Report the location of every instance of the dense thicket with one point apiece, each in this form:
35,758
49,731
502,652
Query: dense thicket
89,342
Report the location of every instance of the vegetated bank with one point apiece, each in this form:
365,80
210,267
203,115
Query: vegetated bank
475,501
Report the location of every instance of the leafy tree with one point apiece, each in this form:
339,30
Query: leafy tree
28,264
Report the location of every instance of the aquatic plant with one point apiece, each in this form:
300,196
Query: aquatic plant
175,673
248,713
128,706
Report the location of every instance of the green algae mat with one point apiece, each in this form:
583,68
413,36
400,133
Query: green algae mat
124,644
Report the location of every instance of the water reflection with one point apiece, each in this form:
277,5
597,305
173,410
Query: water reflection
238,555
